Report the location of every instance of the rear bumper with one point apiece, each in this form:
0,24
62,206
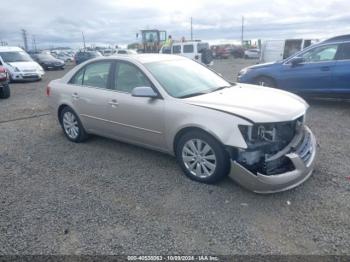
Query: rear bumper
264,184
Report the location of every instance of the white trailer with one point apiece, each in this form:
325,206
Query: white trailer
275,50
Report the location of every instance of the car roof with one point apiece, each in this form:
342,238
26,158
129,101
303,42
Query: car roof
146,58
10,48
340,38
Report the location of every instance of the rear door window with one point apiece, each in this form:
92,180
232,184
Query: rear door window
188,49
77,79
96,74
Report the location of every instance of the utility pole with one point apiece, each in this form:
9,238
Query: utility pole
242,33
25,40
83,40
191,29
34,43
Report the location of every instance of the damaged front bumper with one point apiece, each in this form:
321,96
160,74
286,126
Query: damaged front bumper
302,153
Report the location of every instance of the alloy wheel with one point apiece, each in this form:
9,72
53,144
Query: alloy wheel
199,158
70,125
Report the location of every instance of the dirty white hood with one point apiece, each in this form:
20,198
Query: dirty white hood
24,66
256,103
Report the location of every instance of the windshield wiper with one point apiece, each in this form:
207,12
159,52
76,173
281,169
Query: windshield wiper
220,88
193,94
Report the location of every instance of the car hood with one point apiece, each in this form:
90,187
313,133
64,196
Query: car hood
276,63
256,103
30,65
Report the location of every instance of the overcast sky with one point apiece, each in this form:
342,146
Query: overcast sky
61,22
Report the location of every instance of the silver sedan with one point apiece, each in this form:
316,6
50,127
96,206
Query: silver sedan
214,128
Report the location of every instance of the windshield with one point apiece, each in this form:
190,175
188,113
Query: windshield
185,78
45,56
18,56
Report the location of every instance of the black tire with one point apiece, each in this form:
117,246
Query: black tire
265,81
81,133
222,162
207,56
5,91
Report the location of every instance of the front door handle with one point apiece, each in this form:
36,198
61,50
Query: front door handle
113,103
325,68
75,96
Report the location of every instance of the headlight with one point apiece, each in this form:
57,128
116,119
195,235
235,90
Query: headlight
281,132
259,133
243,71
16,69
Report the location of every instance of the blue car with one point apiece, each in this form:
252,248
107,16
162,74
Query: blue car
321,69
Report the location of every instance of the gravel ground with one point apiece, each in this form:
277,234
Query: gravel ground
107,197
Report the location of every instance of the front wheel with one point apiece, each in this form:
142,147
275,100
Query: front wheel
202,157
71,125
265,81
5,91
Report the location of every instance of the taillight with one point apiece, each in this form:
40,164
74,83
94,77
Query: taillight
48,91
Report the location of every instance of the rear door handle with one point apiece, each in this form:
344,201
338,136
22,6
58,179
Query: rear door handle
113,103
325,68
75,96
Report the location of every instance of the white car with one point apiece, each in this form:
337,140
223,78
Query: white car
65,57
252,53
19,64
195,50
126,52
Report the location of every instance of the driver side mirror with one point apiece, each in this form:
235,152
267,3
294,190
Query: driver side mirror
297,60
144,91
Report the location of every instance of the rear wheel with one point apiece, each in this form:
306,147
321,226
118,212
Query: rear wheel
202,157
5,91
72,126
265,81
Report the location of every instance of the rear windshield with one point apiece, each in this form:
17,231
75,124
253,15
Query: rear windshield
15,56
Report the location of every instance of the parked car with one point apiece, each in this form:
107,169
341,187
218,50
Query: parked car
83,56
195,50
65,57
237,51
107,52
19,64
175,105
47,61
221,51
252,53
126,52
276,50
321,69
4,83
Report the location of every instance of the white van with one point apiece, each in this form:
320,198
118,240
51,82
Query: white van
195,50
19,64
276,50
